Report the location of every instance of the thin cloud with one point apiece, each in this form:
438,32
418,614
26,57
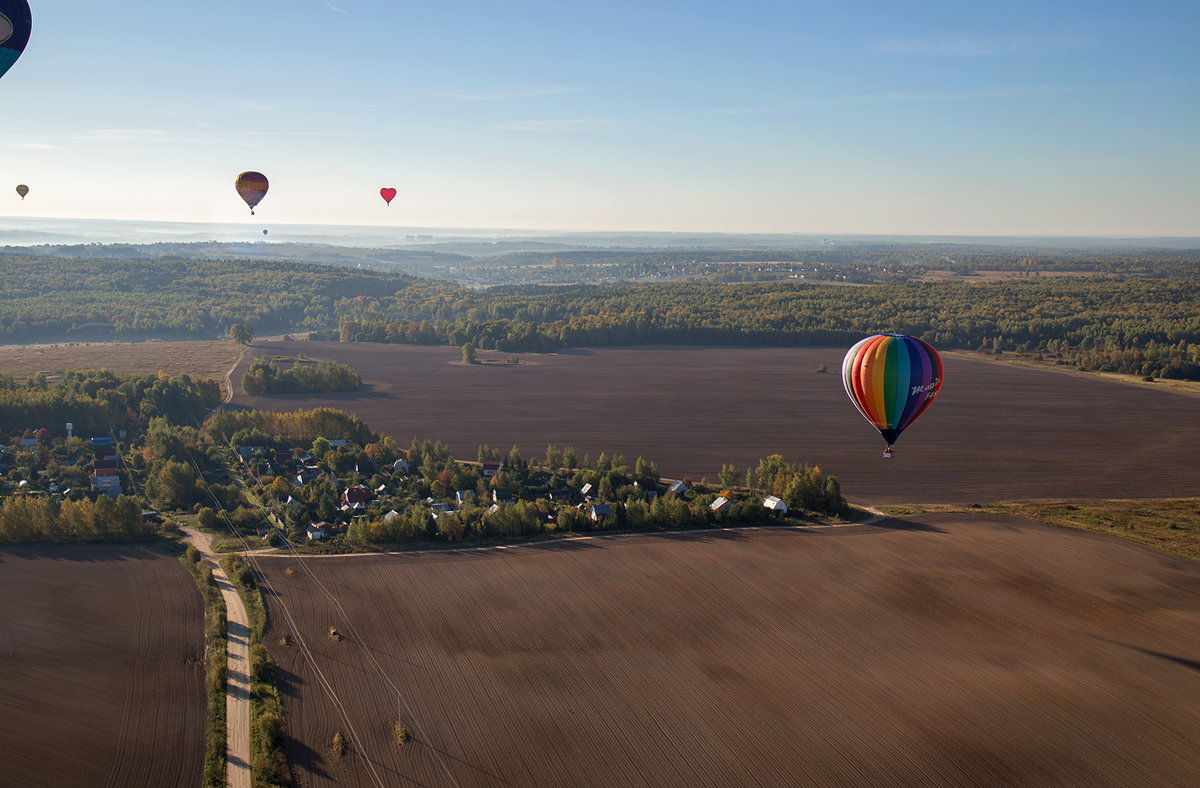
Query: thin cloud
968,46
122,135
504,95
33,146
1092,162
902,97
944,46
564,126
295,133
333,7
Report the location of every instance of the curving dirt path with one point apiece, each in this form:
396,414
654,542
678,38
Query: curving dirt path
229,378
237,687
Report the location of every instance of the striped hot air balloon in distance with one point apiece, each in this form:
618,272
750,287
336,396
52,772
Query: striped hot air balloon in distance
252,187
891,379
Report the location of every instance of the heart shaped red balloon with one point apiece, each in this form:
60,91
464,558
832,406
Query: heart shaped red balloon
387,193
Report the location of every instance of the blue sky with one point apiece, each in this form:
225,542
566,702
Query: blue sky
810,116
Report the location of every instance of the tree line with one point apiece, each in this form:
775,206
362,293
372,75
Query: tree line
265,377
1134,325
47,519
1135,315
98,402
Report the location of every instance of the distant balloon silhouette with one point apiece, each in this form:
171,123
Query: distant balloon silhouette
264,232
387,193
22,190
252,186
15,23
891,379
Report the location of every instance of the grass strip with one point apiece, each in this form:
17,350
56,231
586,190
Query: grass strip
216,666
1171,525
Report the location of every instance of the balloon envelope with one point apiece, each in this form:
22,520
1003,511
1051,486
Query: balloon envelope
891,379
15,24
252,186
22,190
387,193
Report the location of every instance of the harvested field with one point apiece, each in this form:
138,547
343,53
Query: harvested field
951,650
997,432
200,359
101,667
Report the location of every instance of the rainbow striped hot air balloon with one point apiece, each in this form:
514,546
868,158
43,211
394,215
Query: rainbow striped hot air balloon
891,379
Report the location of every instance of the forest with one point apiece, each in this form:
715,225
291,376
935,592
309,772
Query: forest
1133,314
1135,325
100,402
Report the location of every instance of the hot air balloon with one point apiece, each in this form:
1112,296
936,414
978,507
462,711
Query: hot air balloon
891,379
22,190
15,24
387,193
252,186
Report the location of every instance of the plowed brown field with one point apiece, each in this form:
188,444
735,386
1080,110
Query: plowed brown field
996,432
956,650
101,668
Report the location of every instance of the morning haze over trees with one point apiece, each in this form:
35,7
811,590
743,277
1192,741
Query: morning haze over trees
1130,312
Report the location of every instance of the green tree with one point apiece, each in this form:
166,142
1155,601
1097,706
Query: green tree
241,333
644,469
468,354
173,485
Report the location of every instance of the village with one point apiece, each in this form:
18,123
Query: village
426,493
72,468
335,494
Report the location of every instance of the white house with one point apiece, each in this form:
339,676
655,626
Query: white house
722,504
775,504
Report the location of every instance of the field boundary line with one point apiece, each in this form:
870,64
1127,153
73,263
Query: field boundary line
877,516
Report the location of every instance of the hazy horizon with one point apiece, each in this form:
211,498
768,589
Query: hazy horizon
51,231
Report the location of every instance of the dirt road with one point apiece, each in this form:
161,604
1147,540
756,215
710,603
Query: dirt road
237,688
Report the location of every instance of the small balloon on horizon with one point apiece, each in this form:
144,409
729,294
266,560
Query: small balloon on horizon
388,194
22,190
